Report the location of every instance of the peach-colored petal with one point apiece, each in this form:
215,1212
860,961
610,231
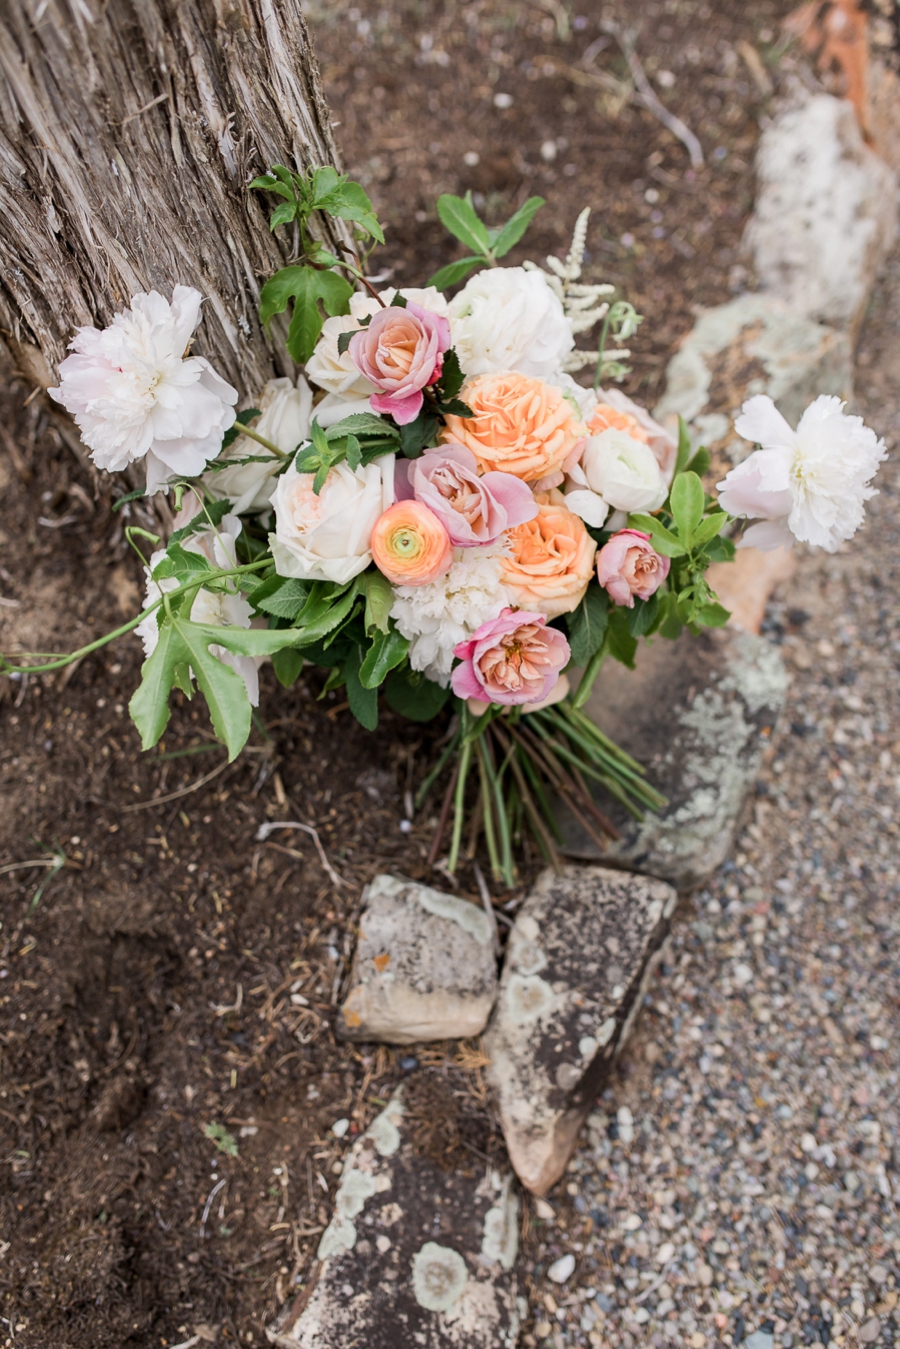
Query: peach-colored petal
519,425
410,545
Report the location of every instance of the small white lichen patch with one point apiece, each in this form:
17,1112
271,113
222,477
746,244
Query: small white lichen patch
587,1046
529,959
472,920
527,927
339,1235
355,1188
439,1277
384,1130
528,997
654,912
606,1031
501,1228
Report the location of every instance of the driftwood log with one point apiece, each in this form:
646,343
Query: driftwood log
129,130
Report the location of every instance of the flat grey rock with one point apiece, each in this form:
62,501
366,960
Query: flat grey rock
577,961
754,344
698,714
414,1256
825,214
424,967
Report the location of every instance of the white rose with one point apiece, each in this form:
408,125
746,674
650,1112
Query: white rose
326,537
620,470
335,372
286,411
507,318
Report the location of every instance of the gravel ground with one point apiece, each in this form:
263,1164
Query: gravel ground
740,1182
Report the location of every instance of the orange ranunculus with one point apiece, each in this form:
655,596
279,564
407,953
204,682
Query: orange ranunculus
607,418
520,426
552,559
410,544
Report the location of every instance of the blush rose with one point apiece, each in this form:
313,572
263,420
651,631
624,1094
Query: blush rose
475,510
514,658
401,352
628,565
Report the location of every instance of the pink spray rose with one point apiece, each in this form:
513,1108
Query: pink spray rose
629,566
475,510
401,352
514,658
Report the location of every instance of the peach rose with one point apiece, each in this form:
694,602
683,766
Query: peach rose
401,352
410,545
552,558
512,659
606,418
628,565
520,426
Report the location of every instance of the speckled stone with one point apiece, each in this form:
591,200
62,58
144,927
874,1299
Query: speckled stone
413,1255
424,967
698,714
582,947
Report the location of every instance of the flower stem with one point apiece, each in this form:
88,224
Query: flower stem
261,440
591,670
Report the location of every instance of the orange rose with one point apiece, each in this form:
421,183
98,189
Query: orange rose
410,545
520,426
552,559
607,418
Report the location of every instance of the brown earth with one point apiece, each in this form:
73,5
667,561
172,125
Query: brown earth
177,976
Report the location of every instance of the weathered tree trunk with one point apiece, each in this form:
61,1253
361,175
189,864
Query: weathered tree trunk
128,132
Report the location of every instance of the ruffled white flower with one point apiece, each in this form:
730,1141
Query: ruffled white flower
335,372
810,484
615,470
437,616
134,393
507,318
326,536
217,609
286,412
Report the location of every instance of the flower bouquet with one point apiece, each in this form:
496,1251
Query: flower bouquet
435,511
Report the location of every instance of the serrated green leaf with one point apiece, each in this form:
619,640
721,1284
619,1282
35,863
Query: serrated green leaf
363,702
344,340
224,689
324,181
320,478
459,217
379,600
455,408
416,435
687,502
587,624
720,550
398,302
362,424
354,456
350,201
280,596
452,377
181,564
388,649
307,288
454,272
516,226
149,706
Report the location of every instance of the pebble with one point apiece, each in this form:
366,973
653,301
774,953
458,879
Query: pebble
562,1269
794,976
340,1127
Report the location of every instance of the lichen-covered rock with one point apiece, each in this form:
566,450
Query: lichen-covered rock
825,212
576,966
424,967
754,344
414,1256
698,714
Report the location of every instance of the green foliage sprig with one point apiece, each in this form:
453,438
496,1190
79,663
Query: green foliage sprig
487,244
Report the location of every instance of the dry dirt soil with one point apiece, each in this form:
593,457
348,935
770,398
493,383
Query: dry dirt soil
167,982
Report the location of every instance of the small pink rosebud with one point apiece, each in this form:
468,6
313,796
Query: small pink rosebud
628,565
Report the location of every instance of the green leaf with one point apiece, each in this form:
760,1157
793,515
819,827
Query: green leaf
388,649
149,706
363,701
349,201
362,424
283,214
664,541
454,272
684,447
458,216
708,528
516,226
587,624
181,564
452,377
379,600
410,694
223,689
642,618
324,181
671,625
281,596
354,456
307,288
129,496
221,1138
687,502
213,513
700,462
344,340
720,550
622,646
399,301
455,408
242,419
712,615
269,184
417,434
287,665
324,623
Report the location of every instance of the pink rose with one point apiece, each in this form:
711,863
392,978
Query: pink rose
474,510
401,352
628,566
514,658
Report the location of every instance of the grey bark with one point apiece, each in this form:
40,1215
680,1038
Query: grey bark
128,132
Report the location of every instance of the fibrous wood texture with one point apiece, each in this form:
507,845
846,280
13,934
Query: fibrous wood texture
128,133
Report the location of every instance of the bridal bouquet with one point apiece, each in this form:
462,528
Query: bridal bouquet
436,510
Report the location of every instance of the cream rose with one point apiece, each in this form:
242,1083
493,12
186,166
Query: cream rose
507,318
286,409
327,537
614,470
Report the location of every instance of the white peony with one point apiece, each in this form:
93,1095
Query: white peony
437,616
216,609
286,412
810,484
618,471
135,394
335,372
326,537
507,318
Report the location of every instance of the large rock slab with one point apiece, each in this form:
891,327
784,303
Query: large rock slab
754,344
698,714
576,965
424,967
414,1255
825,213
